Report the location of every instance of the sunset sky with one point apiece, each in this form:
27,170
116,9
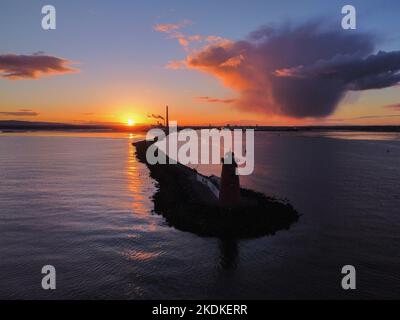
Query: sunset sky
244,62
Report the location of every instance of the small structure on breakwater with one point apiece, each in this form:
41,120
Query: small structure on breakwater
210,206
230,186
227,188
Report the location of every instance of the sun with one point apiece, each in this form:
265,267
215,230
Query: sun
131,122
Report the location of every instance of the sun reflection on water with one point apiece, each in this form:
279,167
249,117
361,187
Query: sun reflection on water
138,255
140,185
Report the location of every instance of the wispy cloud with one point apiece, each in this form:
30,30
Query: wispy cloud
393,106
173,30
176,64
20,113
362,118
34,66
171,27
215,100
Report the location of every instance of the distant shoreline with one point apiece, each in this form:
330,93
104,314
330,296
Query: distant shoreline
19,126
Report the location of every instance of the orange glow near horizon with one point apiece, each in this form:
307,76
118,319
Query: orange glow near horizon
367,110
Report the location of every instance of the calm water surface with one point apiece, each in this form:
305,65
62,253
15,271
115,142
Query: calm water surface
82,203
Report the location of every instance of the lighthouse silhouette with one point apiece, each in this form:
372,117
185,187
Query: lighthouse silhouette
229,194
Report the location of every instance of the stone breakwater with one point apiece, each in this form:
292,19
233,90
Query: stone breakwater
188,205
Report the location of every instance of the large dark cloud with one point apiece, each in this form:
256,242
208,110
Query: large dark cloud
13,66
301,71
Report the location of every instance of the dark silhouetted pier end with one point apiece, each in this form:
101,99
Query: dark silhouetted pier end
189,202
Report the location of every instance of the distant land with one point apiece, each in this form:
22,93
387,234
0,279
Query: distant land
15,125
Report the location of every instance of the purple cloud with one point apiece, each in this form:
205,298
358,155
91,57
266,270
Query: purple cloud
16,67
299,72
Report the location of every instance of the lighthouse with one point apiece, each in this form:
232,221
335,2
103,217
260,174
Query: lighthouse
229,194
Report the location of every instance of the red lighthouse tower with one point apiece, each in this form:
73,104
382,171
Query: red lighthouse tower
229,194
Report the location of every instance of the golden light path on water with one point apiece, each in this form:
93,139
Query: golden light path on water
140,185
